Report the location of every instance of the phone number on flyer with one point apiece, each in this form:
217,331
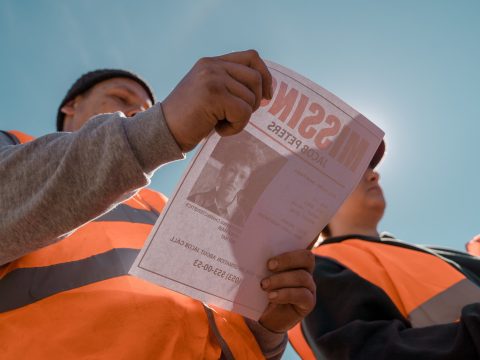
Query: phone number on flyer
217,271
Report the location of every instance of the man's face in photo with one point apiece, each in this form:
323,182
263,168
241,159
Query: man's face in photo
233,178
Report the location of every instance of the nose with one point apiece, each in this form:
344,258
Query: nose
372,175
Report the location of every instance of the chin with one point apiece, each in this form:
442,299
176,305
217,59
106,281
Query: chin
378,204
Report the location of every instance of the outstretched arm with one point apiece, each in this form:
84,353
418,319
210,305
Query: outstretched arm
54,184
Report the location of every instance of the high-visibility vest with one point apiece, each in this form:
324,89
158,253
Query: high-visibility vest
74,299
426,289
18,137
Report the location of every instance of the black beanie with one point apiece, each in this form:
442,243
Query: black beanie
88,80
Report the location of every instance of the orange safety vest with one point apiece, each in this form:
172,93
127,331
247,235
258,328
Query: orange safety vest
74,299
19,137
425,288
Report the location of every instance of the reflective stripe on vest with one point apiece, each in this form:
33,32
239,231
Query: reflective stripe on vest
73,300
425,288
24,286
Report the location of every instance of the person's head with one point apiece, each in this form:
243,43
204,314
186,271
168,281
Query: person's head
364,208
234,176
473,246
103,91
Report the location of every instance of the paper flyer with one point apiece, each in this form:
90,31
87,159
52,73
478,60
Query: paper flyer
265,191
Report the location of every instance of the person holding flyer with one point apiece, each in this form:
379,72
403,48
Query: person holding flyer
382,298
75,214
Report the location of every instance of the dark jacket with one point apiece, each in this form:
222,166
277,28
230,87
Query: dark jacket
380,298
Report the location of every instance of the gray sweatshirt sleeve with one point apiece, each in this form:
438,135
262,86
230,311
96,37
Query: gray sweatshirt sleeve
58,182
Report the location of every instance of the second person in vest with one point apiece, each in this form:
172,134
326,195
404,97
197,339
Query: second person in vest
382,298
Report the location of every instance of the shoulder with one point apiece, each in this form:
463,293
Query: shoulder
15,137
6,138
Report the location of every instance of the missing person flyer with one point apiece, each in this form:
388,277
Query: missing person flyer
265,191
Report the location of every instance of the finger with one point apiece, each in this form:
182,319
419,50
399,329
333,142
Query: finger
302,299
236,115
225,128
249,78
299,259
241,90
289,279
252,59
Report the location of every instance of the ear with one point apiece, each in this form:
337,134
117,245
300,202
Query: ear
69,108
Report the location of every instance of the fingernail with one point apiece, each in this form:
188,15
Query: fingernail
272,264
272,295
265,283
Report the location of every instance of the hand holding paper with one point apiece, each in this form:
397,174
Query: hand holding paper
291,290
264,192
219,92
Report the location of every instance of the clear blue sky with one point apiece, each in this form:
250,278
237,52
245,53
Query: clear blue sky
412,67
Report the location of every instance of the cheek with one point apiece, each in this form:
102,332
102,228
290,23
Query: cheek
109,106
105,106
349,205
353,203
79,119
